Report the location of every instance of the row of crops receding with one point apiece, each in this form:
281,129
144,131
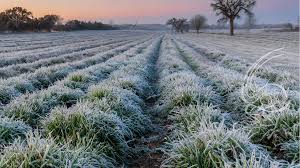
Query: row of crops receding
87,104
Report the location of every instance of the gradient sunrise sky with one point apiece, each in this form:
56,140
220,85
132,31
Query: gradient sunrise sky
149,11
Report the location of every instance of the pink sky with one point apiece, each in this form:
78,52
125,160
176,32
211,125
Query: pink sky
148,11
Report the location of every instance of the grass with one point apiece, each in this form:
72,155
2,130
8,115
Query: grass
43,77
188,119
277,128
36,151
6,94
124,103
82,124
277,76
95,130
11,129
200,134
24,86
255,161
278,131
79,80
290,151
213,145
97,116
31,107
79,77
137,85
233,64
184,89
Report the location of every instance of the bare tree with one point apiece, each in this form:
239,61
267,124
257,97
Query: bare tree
231,9
48,22
18,17
250,21
289,26
172,22
3,21
198,22
181,25
178,24
298,24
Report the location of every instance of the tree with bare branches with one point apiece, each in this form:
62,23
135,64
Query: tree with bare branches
229,10
47,22
17,18
178,24
172,22
250,21
289,26
198,22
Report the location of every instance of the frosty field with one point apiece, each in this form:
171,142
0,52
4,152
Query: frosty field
149,99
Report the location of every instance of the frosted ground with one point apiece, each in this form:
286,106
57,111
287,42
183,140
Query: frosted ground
148,99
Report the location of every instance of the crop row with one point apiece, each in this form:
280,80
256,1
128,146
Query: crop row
17,69
44,77
75,83
109,114
187,102
229,82
36,43
29,56
201,135
65,91
273,75
262,112
42,51
92,108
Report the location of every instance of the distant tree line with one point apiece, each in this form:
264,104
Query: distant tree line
228,10
178,25
181,25
19,19
81,25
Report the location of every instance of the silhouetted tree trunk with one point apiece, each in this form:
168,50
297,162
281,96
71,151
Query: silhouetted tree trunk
231,26
232,9
198,22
